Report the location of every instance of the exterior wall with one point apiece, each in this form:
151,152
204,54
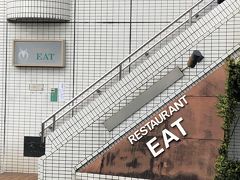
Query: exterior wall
83,145
98,37
191,158
2,80
27,109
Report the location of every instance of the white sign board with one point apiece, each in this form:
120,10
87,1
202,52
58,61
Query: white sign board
39,53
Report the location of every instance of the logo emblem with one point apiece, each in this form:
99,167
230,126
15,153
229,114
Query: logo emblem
23,54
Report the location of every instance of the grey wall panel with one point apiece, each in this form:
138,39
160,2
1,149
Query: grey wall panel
144,98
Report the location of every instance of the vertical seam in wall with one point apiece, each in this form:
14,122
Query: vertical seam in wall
5,96
130,33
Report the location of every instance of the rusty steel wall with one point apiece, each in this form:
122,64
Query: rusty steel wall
193,157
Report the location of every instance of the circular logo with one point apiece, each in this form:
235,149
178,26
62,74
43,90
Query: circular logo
23,54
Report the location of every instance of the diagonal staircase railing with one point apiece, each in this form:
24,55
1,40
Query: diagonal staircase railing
180,24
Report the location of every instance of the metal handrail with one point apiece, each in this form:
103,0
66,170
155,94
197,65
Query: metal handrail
120,67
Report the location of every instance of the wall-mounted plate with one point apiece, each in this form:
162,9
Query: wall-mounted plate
39,53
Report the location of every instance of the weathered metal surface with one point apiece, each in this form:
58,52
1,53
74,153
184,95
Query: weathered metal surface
191,158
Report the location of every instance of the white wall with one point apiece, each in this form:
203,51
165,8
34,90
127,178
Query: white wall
102,38
2,78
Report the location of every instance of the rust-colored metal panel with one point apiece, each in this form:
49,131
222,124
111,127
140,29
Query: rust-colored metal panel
200,118
212,85
191,158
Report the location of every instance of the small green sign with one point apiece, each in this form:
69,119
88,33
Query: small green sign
54,94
